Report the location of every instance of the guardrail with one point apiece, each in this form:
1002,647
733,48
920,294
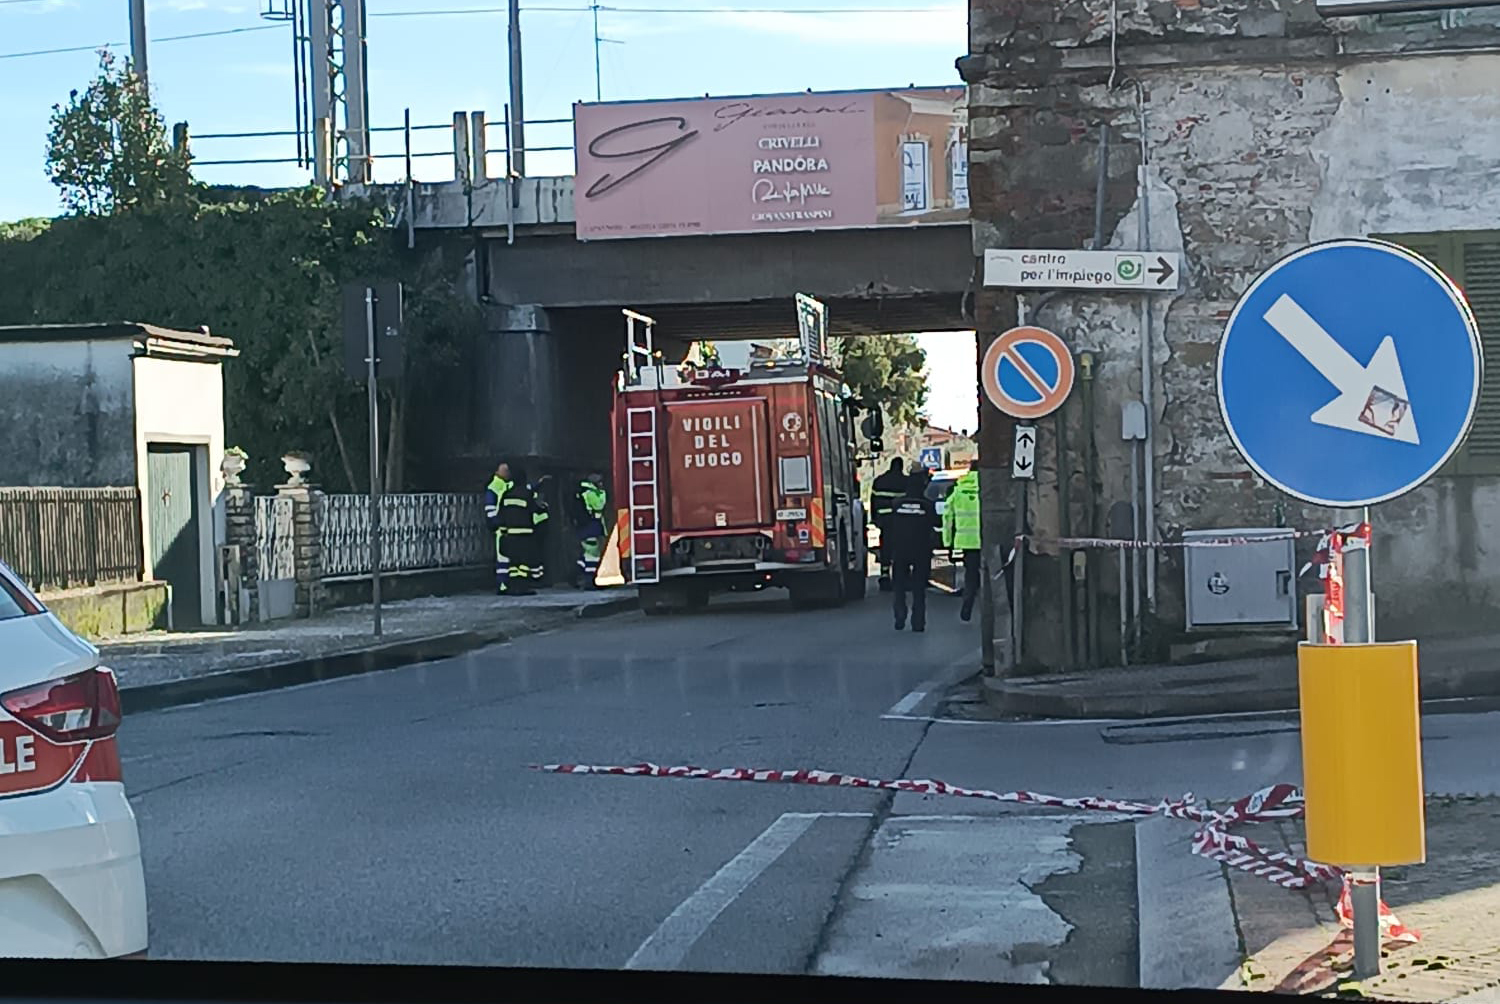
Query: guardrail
409,153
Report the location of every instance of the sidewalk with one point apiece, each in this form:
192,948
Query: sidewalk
1293,943
1450,668
162,669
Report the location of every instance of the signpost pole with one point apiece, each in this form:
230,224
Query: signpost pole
375,493
1359,629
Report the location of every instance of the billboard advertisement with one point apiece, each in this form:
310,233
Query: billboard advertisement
771,163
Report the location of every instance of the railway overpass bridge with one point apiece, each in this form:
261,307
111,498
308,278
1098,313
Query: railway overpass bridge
537,382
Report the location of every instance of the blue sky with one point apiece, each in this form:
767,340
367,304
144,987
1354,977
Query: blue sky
438,63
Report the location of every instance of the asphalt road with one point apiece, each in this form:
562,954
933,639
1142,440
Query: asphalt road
391,817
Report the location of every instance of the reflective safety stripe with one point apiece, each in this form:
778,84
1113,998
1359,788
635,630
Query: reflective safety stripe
520,502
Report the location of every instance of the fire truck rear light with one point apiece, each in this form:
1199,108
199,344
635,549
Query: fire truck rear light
71,710
793,554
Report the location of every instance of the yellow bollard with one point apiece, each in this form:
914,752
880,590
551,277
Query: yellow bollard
1362,754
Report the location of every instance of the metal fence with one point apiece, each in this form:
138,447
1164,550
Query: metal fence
275,545
412,152
418,532
62,538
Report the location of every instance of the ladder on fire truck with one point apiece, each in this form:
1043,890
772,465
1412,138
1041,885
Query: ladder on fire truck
640,428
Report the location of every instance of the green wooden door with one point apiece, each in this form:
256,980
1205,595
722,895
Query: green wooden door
172,508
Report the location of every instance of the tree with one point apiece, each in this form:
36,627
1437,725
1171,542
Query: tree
888,372
264,271
108,149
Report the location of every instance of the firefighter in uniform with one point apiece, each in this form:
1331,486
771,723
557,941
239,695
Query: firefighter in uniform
961,533
540,514
518,535
884,492
589,502
914,525
493,494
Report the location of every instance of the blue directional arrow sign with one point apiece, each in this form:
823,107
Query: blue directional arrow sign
1349,372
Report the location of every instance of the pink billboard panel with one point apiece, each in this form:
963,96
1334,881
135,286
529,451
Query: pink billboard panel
758,164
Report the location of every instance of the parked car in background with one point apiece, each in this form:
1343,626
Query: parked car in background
71,881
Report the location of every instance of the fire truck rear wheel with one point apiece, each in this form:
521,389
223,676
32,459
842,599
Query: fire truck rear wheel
657,600
825,589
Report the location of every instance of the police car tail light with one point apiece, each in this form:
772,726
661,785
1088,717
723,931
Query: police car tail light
70,710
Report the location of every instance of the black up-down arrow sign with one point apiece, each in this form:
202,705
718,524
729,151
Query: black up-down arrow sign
1162,270
1025,451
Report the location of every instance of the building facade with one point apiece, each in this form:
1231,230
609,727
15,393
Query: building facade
1241,130
126,405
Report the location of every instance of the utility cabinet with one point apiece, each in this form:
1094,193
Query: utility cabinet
1241,585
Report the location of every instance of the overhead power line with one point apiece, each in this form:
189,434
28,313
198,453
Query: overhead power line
607,9
483,10
115,45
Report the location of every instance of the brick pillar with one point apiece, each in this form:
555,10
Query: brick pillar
239,518
307,534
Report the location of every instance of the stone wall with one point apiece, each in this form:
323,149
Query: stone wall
1266,128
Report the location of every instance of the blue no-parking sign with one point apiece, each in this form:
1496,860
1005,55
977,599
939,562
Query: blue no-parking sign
1349,372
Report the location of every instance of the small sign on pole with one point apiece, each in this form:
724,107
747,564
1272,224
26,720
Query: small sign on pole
1027,373
812,326
390,353
1023,466
1131,271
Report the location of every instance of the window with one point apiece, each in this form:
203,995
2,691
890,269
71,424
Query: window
14,601
1472,259
796,475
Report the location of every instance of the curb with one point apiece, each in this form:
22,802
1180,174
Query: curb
593,611
1467,693
334,665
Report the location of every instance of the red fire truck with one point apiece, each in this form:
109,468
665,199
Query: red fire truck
736,478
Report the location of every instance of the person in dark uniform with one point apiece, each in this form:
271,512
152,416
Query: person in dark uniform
884,491
519,534
914,525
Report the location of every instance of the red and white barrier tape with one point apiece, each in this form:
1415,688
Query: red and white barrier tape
1117,543
1213,840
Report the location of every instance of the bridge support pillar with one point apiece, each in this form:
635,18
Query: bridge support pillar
518,356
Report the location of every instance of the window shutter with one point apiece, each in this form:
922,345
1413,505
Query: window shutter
1479,277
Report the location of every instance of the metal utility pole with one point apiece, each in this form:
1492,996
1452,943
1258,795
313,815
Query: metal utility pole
373,405
356,92
138,38
321,64
598,76
515,141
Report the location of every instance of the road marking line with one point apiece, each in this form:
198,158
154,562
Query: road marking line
904,706
945,678
671,942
